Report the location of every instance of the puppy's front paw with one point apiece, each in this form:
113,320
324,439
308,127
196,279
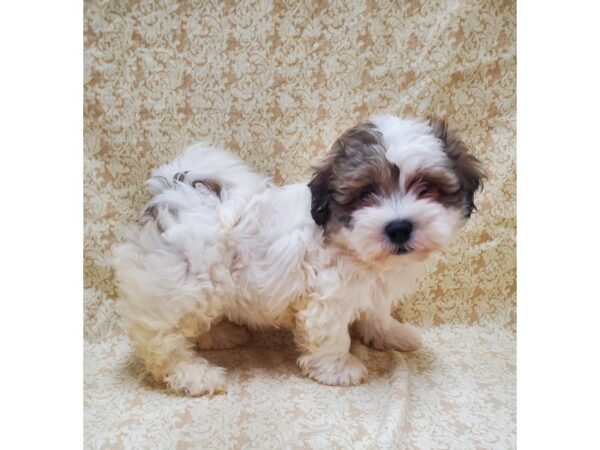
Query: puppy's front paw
347,371
403,337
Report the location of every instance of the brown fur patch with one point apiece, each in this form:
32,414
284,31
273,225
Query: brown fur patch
467,167
180,176
211,185
443,185
354,173
151,213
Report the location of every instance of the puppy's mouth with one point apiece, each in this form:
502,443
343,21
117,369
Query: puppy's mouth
402,249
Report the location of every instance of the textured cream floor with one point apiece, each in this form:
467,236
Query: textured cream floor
456,393
275,82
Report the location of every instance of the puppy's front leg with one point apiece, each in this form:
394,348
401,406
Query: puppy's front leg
324,338
379,330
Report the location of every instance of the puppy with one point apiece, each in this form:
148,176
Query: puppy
220,247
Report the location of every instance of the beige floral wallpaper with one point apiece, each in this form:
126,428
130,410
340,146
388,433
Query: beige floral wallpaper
276,81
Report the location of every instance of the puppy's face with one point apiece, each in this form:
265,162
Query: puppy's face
395,188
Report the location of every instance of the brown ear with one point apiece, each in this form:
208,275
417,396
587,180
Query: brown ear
320,189
345,153
467,167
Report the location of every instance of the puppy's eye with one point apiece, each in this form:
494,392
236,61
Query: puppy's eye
425,189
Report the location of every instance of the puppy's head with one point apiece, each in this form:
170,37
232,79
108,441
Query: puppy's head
395,188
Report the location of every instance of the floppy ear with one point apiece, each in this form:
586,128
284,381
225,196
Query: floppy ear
320,189
466,166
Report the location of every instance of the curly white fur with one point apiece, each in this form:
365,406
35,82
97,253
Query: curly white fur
221,246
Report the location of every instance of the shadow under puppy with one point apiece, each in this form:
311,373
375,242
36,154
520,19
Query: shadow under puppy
220,247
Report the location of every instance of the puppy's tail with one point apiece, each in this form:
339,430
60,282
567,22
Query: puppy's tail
204,175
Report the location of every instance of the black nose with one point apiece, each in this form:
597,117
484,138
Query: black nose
399,231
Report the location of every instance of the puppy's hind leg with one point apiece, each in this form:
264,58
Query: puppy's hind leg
170,358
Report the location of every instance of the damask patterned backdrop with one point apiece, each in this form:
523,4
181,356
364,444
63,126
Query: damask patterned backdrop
276,82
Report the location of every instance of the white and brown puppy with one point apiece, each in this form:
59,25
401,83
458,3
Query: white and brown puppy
220,247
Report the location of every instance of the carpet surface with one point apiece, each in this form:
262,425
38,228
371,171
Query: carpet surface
276,82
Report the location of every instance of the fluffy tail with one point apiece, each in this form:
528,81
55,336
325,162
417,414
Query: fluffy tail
204,175
181,233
